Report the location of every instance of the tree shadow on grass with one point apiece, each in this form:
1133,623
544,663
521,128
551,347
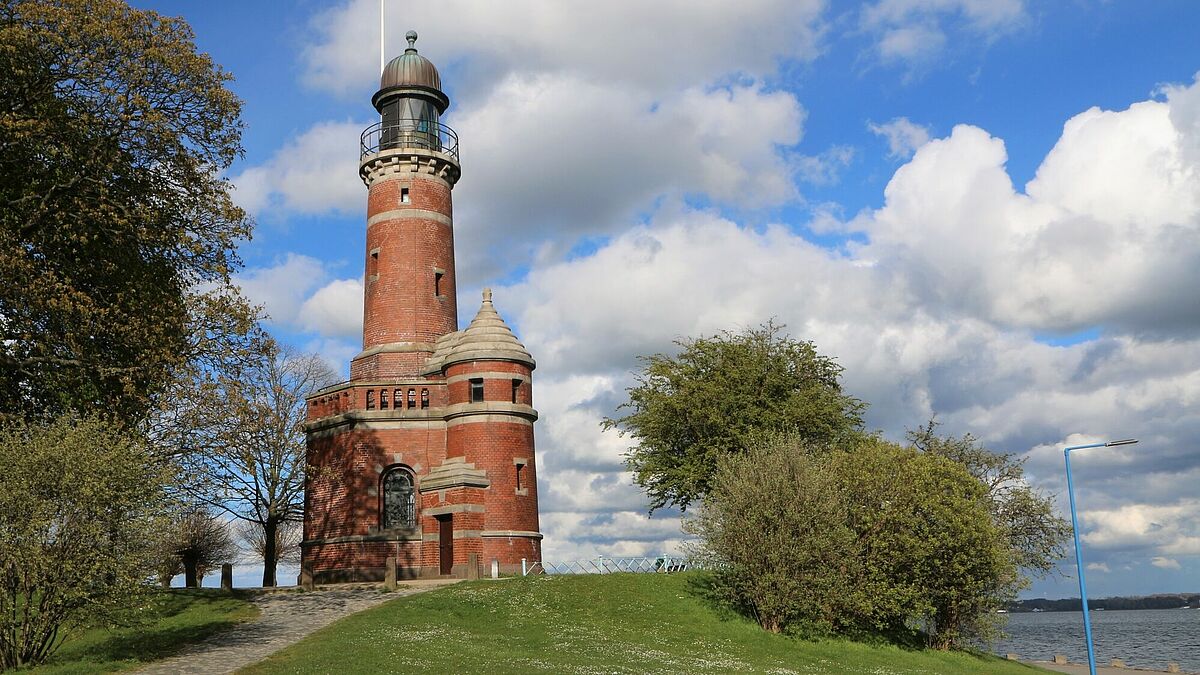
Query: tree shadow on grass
705,586
179,618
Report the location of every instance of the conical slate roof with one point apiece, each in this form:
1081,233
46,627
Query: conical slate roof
488,338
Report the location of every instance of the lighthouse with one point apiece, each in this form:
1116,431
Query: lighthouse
426,454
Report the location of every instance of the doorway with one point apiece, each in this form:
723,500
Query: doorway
446,543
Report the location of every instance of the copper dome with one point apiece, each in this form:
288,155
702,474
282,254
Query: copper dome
410,69
412,73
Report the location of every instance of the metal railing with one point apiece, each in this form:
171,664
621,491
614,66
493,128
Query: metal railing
603,565
407,133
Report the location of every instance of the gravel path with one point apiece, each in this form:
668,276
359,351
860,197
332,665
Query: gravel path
286,619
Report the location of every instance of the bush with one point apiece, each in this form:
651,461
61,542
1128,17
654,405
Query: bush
869,537
80,505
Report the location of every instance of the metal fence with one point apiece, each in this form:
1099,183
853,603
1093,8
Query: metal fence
603,565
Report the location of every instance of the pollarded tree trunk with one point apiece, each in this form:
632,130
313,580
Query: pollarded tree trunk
270,551
190,578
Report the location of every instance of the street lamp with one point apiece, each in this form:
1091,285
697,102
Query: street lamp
1087,623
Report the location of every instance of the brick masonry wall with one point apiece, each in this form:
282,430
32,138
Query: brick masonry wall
405,244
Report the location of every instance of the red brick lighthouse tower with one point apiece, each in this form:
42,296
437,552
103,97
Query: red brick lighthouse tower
426,453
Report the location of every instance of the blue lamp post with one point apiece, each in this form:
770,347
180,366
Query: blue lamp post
1087,623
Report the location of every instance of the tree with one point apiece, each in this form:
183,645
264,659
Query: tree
195,543
287,541
81,505
867,536
114,132
716,396
245,451
1036,535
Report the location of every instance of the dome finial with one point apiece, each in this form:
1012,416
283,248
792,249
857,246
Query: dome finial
487,295
411,36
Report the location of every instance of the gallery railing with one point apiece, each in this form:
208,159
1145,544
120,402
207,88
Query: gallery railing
603,565
421,134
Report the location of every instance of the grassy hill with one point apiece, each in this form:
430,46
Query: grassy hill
176,619
618,623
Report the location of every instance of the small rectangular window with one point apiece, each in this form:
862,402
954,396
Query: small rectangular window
398,397
437,283
404,199
424,398
476,390
412,398
516,389
370,400
519,467
383,402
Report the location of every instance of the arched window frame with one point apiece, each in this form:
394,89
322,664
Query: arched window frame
405,515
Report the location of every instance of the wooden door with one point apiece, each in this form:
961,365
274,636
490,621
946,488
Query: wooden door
446,543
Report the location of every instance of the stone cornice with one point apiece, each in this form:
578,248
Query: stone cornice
399,161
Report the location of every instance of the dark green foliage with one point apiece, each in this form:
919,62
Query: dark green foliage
113,134
869,537
1036,535
80,505
718,394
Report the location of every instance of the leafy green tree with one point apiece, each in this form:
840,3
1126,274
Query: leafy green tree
114,132
868,536
81,506
717,395
1036,534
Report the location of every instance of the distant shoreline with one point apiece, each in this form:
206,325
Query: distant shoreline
1157,601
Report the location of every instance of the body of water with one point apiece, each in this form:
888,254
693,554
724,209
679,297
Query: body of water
1144,638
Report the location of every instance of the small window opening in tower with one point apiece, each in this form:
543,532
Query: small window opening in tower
404,199
412,398
516,389
476,390
370,400
437,283
519,467
398,397
383,400
424,398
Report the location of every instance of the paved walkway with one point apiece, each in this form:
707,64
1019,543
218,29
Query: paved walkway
286,618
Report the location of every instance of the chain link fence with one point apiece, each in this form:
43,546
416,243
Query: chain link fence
604,565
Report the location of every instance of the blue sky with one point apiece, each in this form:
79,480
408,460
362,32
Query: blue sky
985,209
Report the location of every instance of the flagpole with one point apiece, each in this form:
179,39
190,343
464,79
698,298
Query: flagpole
382,58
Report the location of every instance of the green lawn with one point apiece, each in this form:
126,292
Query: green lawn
618,623
177,618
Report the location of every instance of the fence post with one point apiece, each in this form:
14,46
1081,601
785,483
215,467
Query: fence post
600,560
523,570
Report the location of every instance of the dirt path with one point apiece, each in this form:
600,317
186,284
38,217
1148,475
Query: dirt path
286,618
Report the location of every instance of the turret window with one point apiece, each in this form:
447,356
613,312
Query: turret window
404,199
476,390
398,397
370,400
437,283
383,400
424,398
412,398
516,389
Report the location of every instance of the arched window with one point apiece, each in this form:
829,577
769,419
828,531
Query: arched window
424,398
399,508
412,398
